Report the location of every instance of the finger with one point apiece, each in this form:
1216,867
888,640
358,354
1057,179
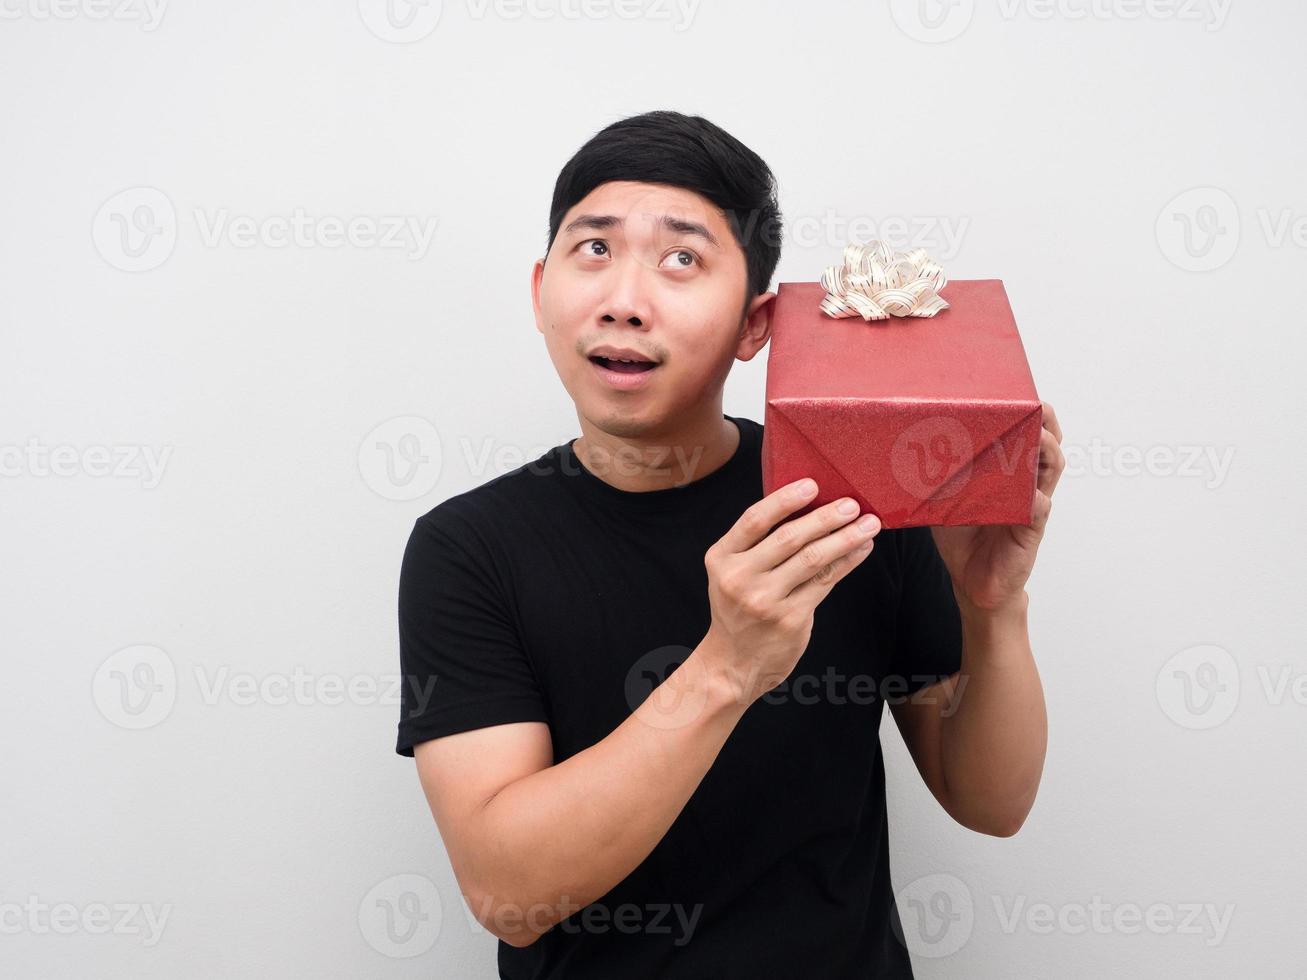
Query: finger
811,559
811,592
1052,462
759,518
1050,421
788,537
1039,513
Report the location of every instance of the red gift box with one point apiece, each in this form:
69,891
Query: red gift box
921,420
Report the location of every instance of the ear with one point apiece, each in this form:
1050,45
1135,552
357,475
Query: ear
537,274
756,329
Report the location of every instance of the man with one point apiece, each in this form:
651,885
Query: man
643,699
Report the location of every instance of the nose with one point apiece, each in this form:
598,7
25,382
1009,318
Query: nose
627,300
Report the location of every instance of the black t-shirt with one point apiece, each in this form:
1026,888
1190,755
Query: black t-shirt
549,595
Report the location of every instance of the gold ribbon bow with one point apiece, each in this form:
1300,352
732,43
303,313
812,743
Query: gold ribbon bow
875,282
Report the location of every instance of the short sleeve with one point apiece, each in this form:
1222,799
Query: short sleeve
462,662
928,625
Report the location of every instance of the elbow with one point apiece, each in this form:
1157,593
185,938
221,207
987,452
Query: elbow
995,824
990,827
508,920
1004,828
990,815
521,939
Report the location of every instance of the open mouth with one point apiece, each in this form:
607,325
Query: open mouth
624,367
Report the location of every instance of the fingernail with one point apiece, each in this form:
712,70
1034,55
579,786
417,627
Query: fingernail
867,523
806,488
847,506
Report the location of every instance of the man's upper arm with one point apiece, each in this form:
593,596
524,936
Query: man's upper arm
463,664
461,773
472,715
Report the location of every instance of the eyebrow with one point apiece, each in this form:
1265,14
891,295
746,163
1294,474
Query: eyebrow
602,222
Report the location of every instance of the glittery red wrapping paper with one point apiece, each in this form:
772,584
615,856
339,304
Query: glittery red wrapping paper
921,420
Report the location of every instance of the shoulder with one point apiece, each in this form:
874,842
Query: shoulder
488,523
498,500
747,426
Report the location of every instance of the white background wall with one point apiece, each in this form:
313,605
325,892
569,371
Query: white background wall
1054,146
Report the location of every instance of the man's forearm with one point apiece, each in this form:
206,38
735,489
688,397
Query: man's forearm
992,744
557,840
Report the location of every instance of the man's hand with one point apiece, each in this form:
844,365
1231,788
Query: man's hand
991,564
764,584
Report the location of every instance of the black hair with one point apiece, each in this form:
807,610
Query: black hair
667,147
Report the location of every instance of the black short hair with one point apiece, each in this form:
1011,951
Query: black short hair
667,147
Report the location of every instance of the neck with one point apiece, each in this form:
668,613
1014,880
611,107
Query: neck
657,458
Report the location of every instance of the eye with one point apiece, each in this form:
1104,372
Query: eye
680,257
583,247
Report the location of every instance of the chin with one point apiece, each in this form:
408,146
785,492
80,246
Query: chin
623,425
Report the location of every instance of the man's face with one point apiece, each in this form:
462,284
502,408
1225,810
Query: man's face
655,270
